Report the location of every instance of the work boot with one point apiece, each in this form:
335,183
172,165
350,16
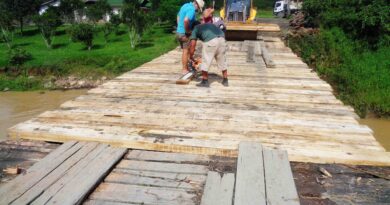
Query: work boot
204,83
225,82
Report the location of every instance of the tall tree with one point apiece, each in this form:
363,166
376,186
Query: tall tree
6,24
68,9
98,10
47,23
22,9
135,19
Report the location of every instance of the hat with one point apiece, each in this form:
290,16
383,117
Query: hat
200,4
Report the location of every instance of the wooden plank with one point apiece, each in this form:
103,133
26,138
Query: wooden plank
134,194
192,178
166,157
158,181
163,167
22,183
70,174
75,191
101,202
218,190
280,186
267,57
55,175
250,184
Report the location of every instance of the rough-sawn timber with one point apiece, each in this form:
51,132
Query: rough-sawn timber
287,106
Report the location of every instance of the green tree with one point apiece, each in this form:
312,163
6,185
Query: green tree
6,25
168,9
83,33
98,10
22,9
135,19
68,9
47,23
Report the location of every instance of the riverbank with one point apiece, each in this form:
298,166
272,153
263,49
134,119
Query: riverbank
347,49
69,65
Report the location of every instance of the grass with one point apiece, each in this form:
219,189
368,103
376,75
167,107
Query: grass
266,13
360,76
68,58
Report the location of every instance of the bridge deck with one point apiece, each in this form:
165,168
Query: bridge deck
288,107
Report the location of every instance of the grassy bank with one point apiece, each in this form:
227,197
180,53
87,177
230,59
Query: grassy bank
349,47
361,77
73,59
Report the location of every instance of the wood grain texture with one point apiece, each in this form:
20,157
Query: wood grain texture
280,186
288,106
250,183
218,189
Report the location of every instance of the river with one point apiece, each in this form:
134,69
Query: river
17,107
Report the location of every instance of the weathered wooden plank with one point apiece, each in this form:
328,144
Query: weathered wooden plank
70,174
55,175
11,191
101,202
250,184
218,190
158,181
195,178
163,167
280,186
134,194
166,157
75,191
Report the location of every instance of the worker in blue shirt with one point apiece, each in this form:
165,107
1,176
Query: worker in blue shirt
185,18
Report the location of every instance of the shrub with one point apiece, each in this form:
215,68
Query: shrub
115,20
107,29
362,20
360,76
17,57
83,33
68,8
47,23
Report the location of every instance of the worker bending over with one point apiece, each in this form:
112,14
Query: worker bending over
185,19
214,46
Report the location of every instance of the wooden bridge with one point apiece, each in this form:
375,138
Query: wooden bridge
287,106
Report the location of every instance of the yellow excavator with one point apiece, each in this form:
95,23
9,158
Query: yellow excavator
239,17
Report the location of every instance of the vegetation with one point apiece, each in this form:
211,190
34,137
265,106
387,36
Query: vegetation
84,33
47,23
136,21
71,59
351,50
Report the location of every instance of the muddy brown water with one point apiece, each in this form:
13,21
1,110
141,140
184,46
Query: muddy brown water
16,107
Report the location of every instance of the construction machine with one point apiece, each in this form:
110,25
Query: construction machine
240,20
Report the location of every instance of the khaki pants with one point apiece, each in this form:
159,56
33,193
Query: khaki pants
215,48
